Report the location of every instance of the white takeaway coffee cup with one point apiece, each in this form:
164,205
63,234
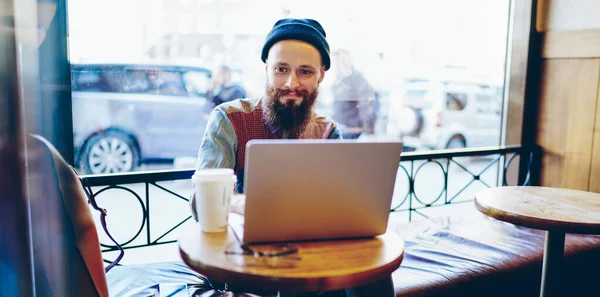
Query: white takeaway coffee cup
213,189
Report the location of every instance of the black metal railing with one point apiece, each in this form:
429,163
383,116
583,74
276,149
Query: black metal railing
498,160
484,167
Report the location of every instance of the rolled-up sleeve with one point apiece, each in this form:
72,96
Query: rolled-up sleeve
218,147
219,144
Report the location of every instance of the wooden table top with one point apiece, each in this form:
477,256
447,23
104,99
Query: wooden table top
565,210
323,265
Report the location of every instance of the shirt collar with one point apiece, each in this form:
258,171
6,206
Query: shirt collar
274,128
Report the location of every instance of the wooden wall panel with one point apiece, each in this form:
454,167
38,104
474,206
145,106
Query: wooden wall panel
567,114
594,184
569,98
566,15
571,44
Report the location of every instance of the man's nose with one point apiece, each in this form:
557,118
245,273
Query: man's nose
292,81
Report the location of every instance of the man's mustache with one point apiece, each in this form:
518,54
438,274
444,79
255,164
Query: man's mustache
283,92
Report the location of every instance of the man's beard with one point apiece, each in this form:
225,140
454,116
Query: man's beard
288,116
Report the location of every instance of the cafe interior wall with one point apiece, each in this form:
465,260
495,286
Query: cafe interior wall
567,125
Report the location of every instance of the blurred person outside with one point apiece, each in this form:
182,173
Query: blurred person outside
223,88
354,99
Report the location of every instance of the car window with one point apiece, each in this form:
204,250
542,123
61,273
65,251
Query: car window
196,83
487,104
456,101
160,82
143,81
120,82
88,81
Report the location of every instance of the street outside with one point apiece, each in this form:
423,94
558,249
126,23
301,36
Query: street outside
125,213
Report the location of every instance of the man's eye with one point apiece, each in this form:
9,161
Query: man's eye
280,69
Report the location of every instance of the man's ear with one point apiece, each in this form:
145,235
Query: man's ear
322,76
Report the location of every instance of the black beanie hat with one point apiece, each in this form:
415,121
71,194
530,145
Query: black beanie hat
306,30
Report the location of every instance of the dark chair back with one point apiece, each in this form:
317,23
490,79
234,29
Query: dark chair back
66,248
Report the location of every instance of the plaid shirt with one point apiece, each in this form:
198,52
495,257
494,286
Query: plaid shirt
232,124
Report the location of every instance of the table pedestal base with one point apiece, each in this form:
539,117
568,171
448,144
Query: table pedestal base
554,249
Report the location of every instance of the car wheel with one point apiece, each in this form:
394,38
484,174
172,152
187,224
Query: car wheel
110,152
455,142
411,121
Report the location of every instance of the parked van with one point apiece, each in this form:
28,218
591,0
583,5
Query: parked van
440,115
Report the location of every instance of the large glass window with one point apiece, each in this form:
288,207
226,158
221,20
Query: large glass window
420,71
427,72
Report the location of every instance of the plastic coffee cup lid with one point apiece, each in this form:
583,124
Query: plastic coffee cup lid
216,175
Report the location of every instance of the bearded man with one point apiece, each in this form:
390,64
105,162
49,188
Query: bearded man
296,56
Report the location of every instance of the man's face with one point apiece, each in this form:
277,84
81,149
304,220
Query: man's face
294,71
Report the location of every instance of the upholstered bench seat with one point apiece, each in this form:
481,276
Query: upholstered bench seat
146,279
475,256
480,256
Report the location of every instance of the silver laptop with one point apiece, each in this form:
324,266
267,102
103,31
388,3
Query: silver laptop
318,189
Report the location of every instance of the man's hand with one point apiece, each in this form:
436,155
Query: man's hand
238,203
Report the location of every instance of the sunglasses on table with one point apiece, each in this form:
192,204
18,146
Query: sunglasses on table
275,256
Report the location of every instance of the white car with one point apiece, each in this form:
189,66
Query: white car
438,115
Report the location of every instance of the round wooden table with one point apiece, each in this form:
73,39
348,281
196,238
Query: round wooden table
558,211
317,265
